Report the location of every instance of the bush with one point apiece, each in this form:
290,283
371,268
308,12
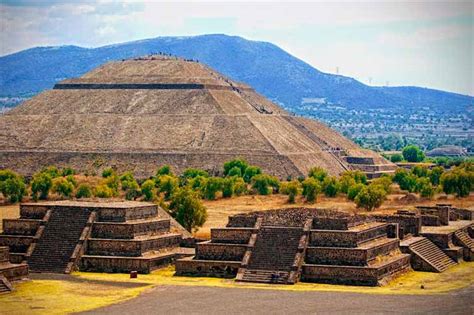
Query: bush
412,153
67,171
103,191
311,189
425,188
435,175
406,180
384,181
164,170
262,184
12,186
354,191
211,187
345,182
148,190
167,184
250,172
420,171
291,189
228,187
52,171
240,187
108,172
72,180
84,191
62,187
41,184
329,186
194,172
395,158
370,197
317,173
113,183
235,171
239,163
133,190
197,183
458,181
187,209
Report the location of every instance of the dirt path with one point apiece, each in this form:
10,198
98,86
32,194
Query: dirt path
209,300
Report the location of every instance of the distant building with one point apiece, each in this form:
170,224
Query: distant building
448,150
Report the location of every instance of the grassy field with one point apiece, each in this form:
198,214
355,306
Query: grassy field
87,291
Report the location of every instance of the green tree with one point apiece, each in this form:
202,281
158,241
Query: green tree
62,187
345,182
167,185
72,180
107,172
330,186
263,184
12,186
164,170
235,171
354,191
397,157
148,190
240,187
250,172
194,172
384,181
84,191
435,175
187,209
311,189
458,181
52,171
412,153
317,173
291,189
67,171
420,171
41,184
228,186
103,191
240,163
370,197
211,187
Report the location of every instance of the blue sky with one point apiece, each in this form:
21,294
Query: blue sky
427,43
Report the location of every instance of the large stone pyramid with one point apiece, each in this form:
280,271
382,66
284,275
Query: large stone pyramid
142,113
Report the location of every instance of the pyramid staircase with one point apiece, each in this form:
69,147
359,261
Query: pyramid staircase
10,272
62,233
426,256
463,239
274,257
5,285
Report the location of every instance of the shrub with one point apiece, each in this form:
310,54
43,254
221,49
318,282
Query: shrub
354,191
426,189
167,184
317,173
345,182
228,187
197,182
108,172
113,183
84,191
329,186
52,171
62,187
384,181
458,181
405,180
12,186
187,209
395,158
240,163
41,184
103,191
435,175
262,184
412,153
148,190
250,172
67,171
291,189
72,180
370,197
235,171
420,171
194,172
357,175
211,187
311,189
240,187
164,170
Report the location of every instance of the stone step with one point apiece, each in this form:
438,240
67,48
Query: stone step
265,276
427,251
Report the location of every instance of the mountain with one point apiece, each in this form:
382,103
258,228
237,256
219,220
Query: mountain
273,72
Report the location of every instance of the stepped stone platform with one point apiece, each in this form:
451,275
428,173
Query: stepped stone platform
290,245
63,236
10,272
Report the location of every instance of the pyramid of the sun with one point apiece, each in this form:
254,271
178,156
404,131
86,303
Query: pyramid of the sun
142,113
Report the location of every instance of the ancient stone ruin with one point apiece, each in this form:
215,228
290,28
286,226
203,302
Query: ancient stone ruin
63,236
137,114
315,245
10,272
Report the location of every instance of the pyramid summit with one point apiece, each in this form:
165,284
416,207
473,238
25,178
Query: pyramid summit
141,113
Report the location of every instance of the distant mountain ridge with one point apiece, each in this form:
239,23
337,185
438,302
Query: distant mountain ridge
273,72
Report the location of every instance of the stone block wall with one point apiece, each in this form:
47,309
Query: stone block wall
4,254
430,220
231,235
223,252
129,231
124,214
31,211
21,227
203,268
441,240
409,224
